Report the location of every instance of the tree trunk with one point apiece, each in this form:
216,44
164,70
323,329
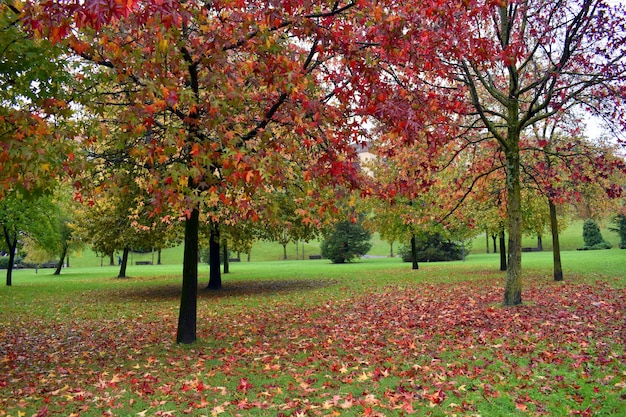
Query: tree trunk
159,256
539,243
502,251
111,259
225,254
495,246
284,251
125,253
187,316
11,242
513,286
414,252
391,250
556,245
215,276
487,240
60,264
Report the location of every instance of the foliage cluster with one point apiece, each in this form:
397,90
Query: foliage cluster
433,247
593,237
347,240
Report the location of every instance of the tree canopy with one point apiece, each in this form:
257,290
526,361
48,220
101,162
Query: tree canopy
213,108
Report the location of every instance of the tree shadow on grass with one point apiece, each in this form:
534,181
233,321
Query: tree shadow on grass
248,288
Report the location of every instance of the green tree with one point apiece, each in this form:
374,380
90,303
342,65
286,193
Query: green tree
593,237
21,218
347,240
620,229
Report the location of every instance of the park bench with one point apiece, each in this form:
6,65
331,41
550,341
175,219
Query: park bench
315,256
143,263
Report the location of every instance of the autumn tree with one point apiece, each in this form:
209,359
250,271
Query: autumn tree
36,132
518,63
533,59
200,87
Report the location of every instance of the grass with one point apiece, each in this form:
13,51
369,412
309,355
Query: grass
311,338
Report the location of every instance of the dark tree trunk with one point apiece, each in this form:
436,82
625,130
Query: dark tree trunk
539,243
111,259
513,285
187,316
495,246
414,253
60,264
502,251
225,254
125,253
556,245
391,250
487,240
215,275
11,242
284,251
159,257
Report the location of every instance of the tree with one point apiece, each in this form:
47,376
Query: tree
517,63
21,218
36,134
199,88
620,229
347,240
593,237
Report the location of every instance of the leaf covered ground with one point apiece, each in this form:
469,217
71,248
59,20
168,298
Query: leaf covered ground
407,349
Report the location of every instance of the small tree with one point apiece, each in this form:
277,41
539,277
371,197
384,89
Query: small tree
592,236
620,229
347,241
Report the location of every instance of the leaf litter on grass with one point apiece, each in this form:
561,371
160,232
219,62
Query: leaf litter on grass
444,349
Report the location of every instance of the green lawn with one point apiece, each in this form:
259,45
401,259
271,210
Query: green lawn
312,338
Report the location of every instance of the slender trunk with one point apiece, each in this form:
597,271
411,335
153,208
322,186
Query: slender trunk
391,250
487,240
215,277
539,243
125,253
502,250
414,252
556,245
513,286
284,251
11,242
67,261
159,257
111,259
62,258
495,246
187,316
226,260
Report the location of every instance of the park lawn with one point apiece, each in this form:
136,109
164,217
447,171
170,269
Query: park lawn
311,338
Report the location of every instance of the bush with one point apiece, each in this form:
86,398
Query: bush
432,247
347,241
592,237
4,262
